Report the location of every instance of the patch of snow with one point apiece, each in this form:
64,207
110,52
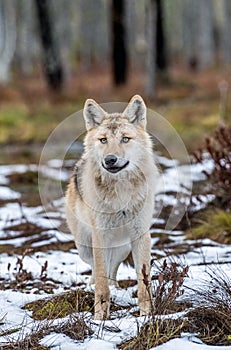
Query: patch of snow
168,163
157,221
54,173
7,194
186,344
95,344
59,342
6,170
203,202
55,163
13,316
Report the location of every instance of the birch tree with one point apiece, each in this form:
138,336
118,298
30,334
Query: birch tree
94,37
7,38
225,33
27,47
205,37
190,31
151,14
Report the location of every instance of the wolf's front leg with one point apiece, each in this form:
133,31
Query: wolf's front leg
141,252
102,292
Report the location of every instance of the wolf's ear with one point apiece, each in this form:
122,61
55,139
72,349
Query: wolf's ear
93,114
136,111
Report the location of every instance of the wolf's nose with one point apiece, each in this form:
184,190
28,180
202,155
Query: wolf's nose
110,160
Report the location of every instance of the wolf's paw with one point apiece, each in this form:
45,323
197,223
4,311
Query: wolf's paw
146,308
91,280
102,310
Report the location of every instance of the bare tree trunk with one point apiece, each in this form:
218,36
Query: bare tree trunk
226,32
61,13
206,44
102,42
131,25
94,39
27,49
190,32
119,43
161,54
88,24
52,59
7,38
151,13
174,19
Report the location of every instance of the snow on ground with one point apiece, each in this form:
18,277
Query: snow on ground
66,268
188,343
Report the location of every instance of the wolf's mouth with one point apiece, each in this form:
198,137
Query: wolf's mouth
115,169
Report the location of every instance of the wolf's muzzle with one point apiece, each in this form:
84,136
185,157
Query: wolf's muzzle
110,160
113,164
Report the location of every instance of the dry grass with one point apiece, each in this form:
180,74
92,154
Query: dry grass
211,317
74,327
158,330
214,224
218,149
212,324
154,333
169,288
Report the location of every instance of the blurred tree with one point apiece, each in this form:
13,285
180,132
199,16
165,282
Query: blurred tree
190,33
51,53
61,14
198,33
151,23
226,31
130,22
7,38
94,43
92,33
119,43
205,34
161,53
174,28
27,47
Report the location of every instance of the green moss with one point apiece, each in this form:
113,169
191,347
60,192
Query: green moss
12,116
23,124
192,120
61,305
215,225
53,310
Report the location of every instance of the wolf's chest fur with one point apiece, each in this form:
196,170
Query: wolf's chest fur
115,204
120,194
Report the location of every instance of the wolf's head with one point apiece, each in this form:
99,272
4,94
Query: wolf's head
117,142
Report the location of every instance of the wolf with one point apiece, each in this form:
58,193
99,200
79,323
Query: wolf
110,199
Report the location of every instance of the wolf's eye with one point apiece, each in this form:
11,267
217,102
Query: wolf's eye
103,140
125,139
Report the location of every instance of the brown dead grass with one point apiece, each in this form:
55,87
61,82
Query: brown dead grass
74,327
189,100
211,323
154,333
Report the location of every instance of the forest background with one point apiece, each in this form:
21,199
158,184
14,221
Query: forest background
55,54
